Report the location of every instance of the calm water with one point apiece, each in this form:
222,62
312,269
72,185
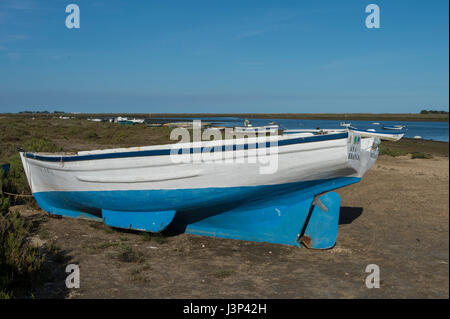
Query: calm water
437,131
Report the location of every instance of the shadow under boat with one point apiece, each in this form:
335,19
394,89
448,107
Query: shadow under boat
348,214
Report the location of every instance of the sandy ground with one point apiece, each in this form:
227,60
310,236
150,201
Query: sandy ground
396,218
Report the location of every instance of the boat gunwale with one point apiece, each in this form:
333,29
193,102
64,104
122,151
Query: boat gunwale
160,152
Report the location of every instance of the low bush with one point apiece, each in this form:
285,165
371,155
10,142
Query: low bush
420,155
20,263
391,152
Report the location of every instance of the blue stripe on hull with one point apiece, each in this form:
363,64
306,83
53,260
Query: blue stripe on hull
270,213
179,199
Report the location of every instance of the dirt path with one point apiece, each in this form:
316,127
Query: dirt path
397,218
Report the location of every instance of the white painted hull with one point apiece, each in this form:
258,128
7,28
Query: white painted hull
296,162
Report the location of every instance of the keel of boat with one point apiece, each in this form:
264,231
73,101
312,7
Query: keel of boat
299,214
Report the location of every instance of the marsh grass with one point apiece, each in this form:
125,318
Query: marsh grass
222,274
109,230
44,234
95,225
128,254
56,252
146,236
108,245
138,275
421,155
4,205
20,263
391,152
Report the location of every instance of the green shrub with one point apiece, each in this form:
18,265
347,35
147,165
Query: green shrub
391,152
159,238
156,237
146,236
4,205
91,135
127,254
40,145
16,182
20,263
420,155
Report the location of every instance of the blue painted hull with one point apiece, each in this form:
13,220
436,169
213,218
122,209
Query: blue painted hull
179,199
270,213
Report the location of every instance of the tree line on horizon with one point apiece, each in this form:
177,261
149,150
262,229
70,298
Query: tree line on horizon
433,112
41,112
62,112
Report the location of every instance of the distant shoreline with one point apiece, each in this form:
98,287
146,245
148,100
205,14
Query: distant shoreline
410,117
320,116
50,134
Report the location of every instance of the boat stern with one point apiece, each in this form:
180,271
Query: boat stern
26,169
362,152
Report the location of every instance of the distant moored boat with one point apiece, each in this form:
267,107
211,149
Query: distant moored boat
395,127
373,133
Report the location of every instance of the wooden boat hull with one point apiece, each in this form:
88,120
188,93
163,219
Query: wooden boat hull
146,189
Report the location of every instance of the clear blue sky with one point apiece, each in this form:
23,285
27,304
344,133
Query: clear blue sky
224,56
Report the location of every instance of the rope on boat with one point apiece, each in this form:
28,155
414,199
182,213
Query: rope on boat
18,195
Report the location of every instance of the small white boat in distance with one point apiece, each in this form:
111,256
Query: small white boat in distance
256,129
137,121
315,131
395,127
376,123
249,128
344,124
363,133
372,133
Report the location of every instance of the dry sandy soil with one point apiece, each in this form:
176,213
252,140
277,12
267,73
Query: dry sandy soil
397,218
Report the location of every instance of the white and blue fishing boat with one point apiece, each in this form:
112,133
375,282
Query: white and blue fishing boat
394,136
394,128
154,189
